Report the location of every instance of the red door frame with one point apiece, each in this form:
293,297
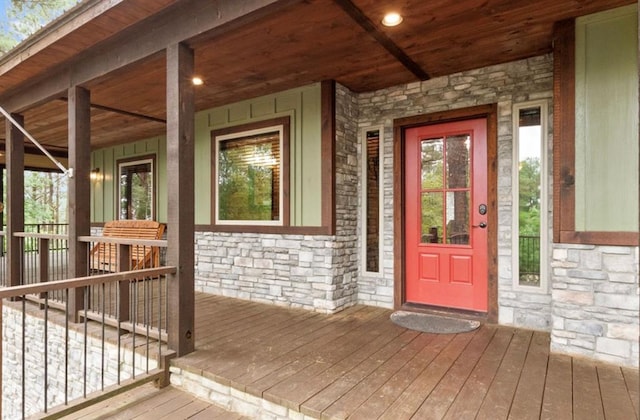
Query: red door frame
400,125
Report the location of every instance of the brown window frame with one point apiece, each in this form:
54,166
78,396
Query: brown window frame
328,170
154,170
564,230
285,122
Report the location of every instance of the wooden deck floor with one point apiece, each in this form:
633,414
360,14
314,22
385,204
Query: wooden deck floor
357,364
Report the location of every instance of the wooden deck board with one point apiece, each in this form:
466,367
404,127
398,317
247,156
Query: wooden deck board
315,405
527,402
316,355
380,400
587,401
557,400
497,403
351,400
472,393
326,368
615,396
439,401
632,379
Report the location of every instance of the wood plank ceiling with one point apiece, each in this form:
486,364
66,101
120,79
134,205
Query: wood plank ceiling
308,41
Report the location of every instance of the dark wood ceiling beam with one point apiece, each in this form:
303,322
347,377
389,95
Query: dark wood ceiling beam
387,43
123,112
175,24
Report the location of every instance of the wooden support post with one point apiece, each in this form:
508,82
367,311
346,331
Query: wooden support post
2,247
15,198
180,226
124,303
79,190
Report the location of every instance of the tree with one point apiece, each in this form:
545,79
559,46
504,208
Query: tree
26,17
529,202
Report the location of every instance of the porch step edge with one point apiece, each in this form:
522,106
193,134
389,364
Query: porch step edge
230,398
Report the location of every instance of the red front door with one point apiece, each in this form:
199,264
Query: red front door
446,215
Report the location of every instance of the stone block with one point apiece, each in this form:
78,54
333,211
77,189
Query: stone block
628,332
572,297
587,274
613,346
619,263
584,327
617,301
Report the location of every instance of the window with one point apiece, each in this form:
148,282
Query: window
372,208
530,196
136,189
250,176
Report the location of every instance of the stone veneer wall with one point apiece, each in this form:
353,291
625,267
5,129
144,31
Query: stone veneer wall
504,84
595,302
313,272
34,363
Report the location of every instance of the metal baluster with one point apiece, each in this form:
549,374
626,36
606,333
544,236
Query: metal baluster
84,373
24,347
46,350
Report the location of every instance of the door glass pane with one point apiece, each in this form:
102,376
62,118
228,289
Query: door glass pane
136,190
458,217
529,182
432,158
432,217
458,161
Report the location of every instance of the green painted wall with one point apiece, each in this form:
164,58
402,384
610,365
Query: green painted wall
607,121
302,105
104,192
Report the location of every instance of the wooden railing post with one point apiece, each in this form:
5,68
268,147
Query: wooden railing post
124,261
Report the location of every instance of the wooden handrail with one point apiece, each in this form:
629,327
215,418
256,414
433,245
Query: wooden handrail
16,291
40,235
124,241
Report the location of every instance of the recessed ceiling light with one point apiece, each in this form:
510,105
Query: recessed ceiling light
197,81
392,19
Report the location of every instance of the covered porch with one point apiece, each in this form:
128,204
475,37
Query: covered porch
110,87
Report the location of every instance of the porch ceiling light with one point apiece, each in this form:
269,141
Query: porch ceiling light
392,19
197,81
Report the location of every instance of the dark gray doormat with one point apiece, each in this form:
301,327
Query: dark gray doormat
429,323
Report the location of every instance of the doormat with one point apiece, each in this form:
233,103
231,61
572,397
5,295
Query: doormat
436,324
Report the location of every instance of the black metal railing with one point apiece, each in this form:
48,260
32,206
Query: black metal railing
54,362
529,259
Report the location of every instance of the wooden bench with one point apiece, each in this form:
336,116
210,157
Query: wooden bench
104,255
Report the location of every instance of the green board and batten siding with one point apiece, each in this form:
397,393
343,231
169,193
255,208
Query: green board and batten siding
303,107
104,191
607,121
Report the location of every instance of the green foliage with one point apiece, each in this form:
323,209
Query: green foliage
245,191
45,197
26,17
529,199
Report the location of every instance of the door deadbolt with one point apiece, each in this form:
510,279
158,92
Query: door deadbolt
482,209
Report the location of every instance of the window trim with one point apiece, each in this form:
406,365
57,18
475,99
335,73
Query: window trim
364,203
132,161
564,63
244,130
544,197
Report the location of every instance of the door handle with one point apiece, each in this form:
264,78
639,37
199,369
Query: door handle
482,225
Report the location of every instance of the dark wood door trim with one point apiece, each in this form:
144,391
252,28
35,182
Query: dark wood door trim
490,112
